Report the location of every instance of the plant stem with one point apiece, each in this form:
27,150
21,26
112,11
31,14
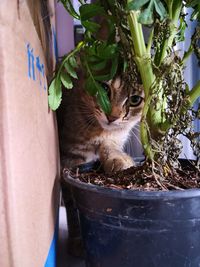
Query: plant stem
192,97
141,56
174,17
144,132
187,54
151,118
149,44
194,93
137,34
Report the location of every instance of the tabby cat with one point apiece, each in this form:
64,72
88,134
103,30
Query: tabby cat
87,134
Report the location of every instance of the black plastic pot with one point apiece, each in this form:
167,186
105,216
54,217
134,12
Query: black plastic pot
124,228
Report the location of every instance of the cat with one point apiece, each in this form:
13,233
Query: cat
87,134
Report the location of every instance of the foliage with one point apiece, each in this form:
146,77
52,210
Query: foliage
168,100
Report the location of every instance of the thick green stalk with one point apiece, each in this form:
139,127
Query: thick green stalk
142,58
144,132
194,93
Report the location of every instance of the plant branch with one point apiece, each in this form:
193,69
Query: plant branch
141,56
137,34
192,97
144,132
187,54
194,93
73,52
150,41
173,24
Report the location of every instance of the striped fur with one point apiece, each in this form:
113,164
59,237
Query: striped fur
87,134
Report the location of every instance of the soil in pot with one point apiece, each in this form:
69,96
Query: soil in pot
186,176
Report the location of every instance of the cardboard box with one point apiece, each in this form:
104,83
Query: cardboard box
43,16
29,158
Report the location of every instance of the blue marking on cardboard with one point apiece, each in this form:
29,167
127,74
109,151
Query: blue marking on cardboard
31,62
51,258
35,66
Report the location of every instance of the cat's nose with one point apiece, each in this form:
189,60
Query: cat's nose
112,118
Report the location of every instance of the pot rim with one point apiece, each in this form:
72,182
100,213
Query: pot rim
132,194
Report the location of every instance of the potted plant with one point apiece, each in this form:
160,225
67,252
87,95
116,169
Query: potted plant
137,227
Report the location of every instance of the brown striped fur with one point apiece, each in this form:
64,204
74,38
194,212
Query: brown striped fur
87,134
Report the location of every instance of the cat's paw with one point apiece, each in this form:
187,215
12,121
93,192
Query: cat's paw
118,163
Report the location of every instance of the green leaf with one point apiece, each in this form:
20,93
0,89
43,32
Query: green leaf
88,11
72,61
196,14
103,100
107,52
195,4
160,9
100,48
55,94
70,9
66,81
180,37
147,13
92,51
96,66
94,88
136,5
125,65
91,86
111,3
102,78
146,17
114,67
93,59
90,26
192,3
70,70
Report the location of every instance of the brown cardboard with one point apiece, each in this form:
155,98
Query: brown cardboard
28,143
43,16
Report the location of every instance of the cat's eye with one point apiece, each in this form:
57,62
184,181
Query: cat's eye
135,100
106,88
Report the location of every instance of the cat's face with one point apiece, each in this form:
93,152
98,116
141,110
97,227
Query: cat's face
126,107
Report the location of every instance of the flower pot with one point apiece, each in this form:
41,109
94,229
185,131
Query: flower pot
136,228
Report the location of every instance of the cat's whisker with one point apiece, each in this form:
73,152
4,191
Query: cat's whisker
137,126
136,137
89,122
136,130
84,110
81,111
84,113
129,146
83,106
98,112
